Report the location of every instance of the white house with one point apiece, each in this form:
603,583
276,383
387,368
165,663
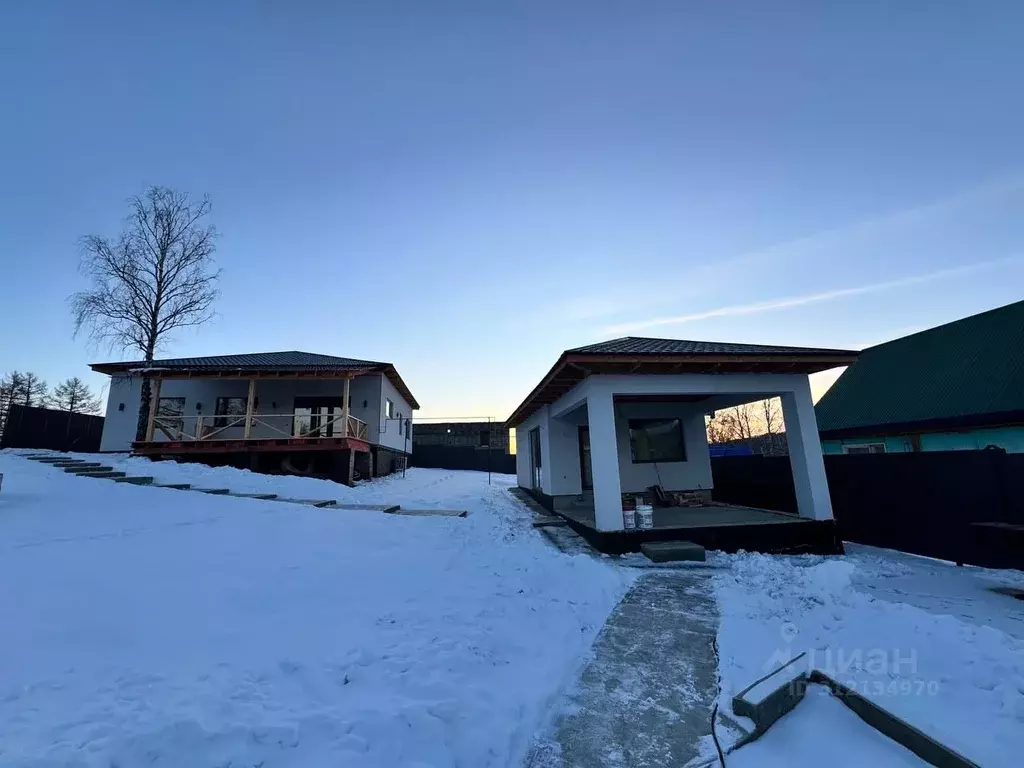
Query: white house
613,419
293,412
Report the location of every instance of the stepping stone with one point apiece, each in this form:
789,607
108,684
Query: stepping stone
53,459
261,496
213,491
310,502
175,486
76,469
104,475
543,521
386,508
433,512
672,551
134,480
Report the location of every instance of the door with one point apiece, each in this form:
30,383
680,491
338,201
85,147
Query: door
586,474
535,458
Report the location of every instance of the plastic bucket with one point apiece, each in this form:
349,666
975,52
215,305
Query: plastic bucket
645,513
629,519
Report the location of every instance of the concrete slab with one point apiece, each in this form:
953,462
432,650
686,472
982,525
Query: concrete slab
673,551
175,486
389,508
212,491
433,512
548,520
309,502
260,496
76,469
134,480
106,475
646,696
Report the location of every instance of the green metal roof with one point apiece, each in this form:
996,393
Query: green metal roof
954,373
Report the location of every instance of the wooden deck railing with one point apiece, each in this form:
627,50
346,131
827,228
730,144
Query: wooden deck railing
261,427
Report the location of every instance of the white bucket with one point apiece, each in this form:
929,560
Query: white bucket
646,514
629,519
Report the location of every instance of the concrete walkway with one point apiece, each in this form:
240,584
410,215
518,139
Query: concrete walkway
645,698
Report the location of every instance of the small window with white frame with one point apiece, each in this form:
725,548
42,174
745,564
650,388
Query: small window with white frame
389,409
862,448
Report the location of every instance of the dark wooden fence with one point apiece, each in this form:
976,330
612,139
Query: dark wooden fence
463,457
925,503
31,427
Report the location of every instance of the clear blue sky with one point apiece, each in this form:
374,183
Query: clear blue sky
466,189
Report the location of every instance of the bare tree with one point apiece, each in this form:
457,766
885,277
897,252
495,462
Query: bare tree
771,420
74,396
156,277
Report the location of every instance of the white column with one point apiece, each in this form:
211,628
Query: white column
604,462
812,499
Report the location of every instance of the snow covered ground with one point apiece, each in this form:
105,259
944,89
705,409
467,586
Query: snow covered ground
151,626
928,641
160,627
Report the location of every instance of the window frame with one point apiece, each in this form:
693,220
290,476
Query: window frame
389,408
868,446
221,417
644,423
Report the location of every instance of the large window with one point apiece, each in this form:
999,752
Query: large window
228,410
317,416
170,412
652,440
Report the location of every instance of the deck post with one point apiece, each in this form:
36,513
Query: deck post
809,480
604,461
345,410
249,407
154,404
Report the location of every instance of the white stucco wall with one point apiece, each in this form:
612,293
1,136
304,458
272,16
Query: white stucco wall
274,396
390,435
689,475
524,456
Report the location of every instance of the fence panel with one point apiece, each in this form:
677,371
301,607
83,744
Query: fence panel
462,457
43,428
923,503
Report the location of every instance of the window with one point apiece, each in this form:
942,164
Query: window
652,440
389,409
864,448
485,438
227,410
170,412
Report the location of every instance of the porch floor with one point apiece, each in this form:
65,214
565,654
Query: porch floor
724,527
706,516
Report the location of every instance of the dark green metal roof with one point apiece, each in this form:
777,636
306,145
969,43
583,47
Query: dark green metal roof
967,372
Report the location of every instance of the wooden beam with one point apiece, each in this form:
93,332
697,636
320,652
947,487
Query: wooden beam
154,404
249,403
344,409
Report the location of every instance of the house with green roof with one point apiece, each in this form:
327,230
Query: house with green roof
958,386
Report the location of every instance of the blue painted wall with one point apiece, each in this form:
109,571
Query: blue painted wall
1009,438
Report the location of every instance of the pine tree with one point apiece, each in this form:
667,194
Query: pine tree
73,395
32,391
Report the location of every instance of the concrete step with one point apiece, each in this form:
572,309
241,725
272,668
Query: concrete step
51,459
672,551
79,468
260,496
174,486
310,502
433,512
134,480
105,475
387,508
213,491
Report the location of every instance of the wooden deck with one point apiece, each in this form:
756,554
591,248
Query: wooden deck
259,445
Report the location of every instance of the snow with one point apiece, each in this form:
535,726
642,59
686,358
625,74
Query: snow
822,730
950,661
150,626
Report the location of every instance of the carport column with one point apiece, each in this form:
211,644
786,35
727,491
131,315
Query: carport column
809,481
604,462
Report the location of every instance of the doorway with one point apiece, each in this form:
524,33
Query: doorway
535,458
586,472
